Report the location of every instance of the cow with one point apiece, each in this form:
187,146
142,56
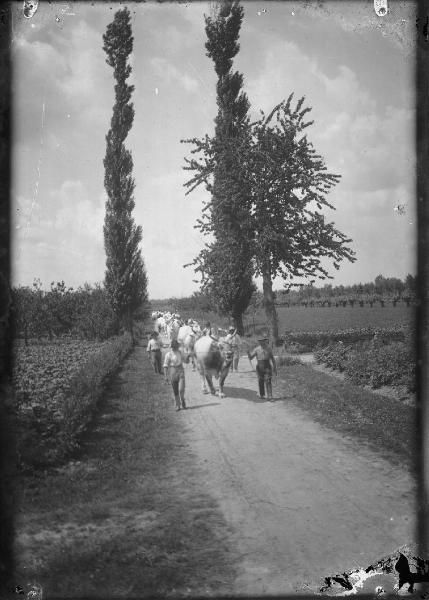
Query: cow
212,359
186,337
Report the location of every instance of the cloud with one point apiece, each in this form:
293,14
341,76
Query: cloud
370,146
76,214
88,79
61,238
68,75
171,75
169,237
384,240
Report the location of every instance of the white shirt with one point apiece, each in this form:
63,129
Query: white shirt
173,358
154,344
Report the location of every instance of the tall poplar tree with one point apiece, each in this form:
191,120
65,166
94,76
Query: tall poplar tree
225,264
125,278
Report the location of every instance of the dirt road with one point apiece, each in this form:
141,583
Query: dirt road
303,501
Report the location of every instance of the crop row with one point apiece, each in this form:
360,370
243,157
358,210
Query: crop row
57,387
42,373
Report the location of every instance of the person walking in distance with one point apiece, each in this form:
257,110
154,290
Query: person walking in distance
264,371
154,351
234,340
175,373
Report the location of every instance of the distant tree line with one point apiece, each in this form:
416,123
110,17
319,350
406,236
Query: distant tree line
381,290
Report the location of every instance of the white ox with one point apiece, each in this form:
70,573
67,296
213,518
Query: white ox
187,337
212,360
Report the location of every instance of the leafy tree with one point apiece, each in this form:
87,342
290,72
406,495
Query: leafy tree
94,318
287,183
22,311
60,308
125,278
225,214
410,284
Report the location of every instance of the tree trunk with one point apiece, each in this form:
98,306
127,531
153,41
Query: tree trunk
270,309
238,324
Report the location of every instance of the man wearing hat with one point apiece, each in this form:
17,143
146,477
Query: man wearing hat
234,341
265,359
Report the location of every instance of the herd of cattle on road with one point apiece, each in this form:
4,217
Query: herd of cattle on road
212,354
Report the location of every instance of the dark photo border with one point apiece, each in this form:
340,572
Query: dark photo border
8,473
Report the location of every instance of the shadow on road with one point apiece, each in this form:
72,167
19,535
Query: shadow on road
203,405
244,394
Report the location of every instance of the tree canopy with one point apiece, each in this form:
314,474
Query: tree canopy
285,183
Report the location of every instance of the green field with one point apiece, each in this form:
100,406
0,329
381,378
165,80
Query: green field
299,318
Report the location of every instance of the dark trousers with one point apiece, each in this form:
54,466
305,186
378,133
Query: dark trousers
156,359
263,370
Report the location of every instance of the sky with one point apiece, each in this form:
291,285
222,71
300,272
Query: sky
355,69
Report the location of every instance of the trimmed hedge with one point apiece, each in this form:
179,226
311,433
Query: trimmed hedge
48,434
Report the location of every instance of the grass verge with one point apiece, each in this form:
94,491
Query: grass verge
127,516
385,425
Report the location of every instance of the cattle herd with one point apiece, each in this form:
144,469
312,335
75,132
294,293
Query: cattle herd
209,354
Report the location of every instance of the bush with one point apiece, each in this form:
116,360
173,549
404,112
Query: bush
393,365
373,364
334,356
48,433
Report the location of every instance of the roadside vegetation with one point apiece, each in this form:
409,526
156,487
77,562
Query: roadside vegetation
377,363
57,388
378,422
127,516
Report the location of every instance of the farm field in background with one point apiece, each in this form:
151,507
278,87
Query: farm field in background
299,318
